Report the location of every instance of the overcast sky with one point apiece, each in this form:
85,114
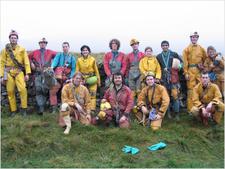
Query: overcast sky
94,23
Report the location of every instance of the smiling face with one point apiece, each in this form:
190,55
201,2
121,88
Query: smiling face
150,80
165,47
211,53
85,52
117,79
77,80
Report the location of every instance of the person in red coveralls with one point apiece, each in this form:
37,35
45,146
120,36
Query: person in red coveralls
120,98
39,60
133,72
114,61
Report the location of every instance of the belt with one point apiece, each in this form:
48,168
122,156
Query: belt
193,65
88,74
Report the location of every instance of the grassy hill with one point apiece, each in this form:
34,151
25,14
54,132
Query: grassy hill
37,141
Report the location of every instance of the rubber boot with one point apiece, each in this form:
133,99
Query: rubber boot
169,114
177,116
41,110
54,109
67,121
24,112
12,114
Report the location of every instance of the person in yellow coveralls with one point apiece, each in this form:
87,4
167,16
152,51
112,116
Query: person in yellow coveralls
14,71
207,101
153,101
149,64
214,65
76,103
88,67
193,59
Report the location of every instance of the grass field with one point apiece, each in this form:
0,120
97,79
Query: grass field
37,141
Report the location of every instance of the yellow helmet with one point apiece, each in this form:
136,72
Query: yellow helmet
105,106
102,115
133,41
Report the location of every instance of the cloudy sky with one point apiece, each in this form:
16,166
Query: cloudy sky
94,23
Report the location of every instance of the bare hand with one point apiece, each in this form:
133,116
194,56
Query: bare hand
79,108
144,110
26,77
187,77
209,107
158,117
103,100
88,117
32,66
204,112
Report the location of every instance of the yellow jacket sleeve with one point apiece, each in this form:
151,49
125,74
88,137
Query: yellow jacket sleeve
97,73
78,65
165,101
196,96
141,101
26,62
158,70
141,66
2,61
185,60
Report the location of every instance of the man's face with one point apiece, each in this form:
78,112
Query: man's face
13,39
77,80
42,45
165,47
114,46
150,81
85,52
211,53
118,80
65,48
194,39
205,79
135,46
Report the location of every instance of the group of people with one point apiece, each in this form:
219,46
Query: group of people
142,83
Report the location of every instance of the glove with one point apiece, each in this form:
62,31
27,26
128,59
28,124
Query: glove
157,146
128,149
152,114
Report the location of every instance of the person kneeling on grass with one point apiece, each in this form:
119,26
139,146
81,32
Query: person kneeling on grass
207,100
121,102
153,102
76,103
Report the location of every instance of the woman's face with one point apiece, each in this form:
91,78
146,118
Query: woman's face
148,52
85,52
114,46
